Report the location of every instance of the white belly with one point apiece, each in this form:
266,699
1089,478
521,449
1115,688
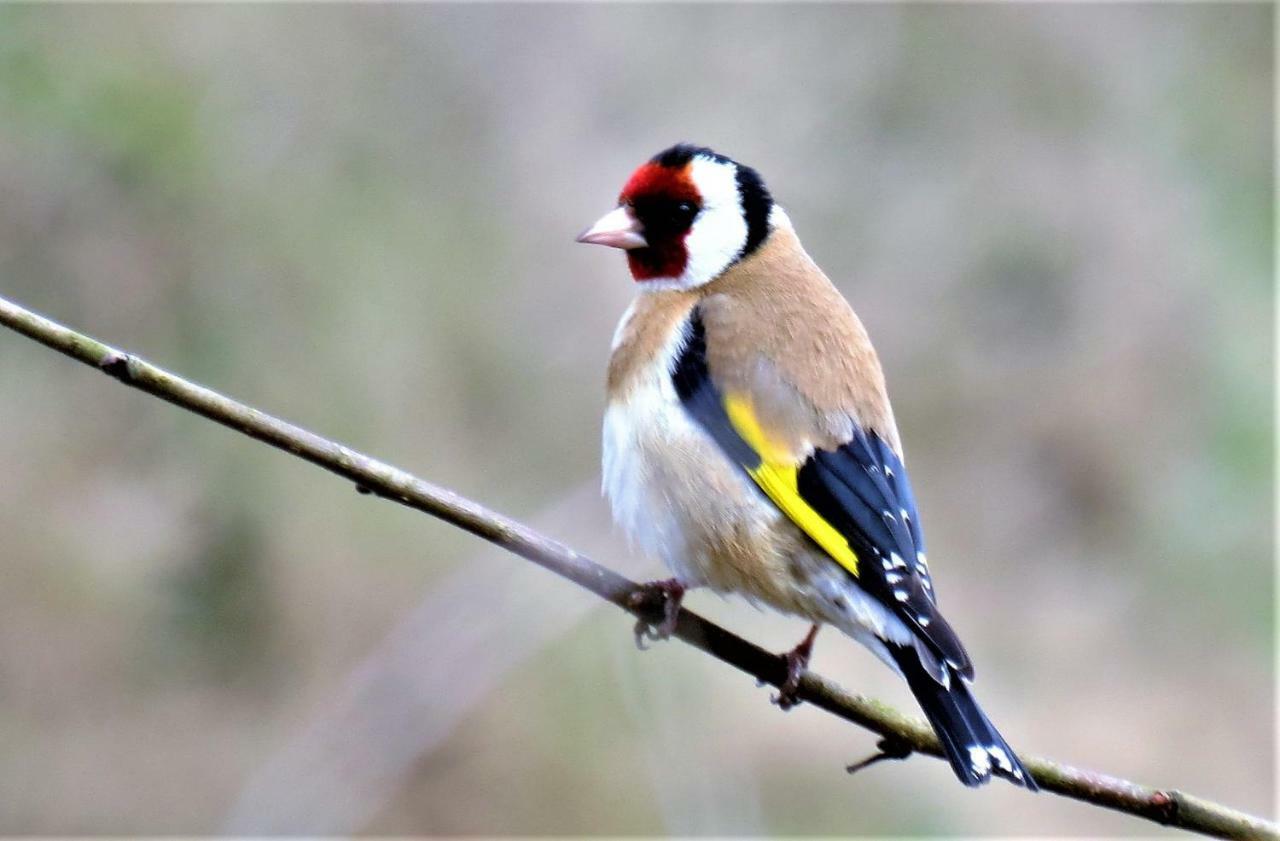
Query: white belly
671,489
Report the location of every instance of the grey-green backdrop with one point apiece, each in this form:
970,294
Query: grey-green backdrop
1055,220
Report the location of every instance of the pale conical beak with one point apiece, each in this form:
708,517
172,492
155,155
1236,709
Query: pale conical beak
616,229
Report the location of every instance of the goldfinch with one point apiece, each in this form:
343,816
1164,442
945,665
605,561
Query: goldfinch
749,442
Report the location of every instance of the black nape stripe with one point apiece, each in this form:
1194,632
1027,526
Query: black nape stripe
756,206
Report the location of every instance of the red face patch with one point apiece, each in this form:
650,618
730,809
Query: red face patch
654,180
656,194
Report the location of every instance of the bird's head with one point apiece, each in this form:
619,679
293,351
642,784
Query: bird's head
685,216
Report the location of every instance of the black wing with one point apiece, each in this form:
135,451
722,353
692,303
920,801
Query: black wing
860,490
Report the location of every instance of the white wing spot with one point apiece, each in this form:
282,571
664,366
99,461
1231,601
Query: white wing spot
900,595
897,561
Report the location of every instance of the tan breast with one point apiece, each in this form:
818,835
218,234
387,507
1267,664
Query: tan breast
643,335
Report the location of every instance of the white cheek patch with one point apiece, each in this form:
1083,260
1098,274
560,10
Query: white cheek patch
719,233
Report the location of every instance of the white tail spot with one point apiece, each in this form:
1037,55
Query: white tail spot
980,760
1001,758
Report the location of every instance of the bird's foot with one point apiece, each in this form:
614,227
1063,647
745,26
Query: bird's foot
657,598
887,748
797,660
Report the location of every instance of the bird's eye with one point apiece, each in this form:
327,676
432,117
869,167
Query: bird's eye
685,211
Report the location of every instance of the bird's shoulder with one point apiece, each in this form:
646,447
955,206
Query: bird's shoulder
779,332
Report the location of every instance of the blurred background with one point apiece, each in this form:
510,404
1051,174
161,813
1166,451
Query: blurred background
1056,222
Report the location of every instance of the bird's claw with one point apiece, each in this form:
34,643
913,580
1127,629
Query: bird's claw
787,696
656,597
645,633
797,660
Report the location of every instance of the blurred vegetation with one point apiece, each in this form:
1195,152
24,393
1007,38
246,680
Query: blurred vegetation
1056,220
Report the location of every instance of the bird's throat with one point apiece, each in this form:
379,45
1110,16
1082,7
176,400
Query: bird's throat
662,261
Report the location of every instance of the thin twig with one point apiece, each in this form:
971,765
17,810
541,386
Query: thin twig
1164,806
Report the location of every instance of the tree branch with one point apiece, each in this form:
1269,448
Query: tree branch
1164,806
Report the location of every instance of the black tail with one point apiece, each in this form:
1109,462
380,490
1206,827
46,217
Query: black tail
973,746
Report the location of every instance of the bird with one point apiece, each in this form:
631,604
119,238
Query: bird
749,442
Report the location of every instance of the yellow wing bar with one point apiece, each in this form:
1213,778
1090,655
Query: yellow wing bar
776,476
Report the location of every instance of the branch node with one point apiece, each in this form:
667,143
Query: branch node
1165,806
887,748
116,365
